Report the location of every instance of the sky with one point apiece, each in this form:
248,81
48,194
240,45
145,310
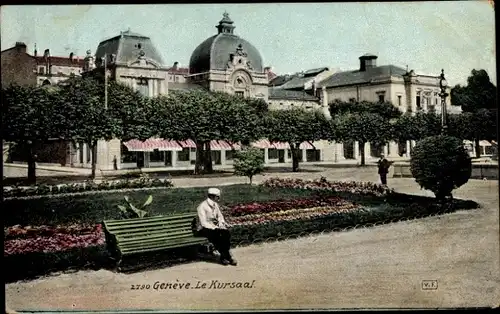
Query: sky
456,36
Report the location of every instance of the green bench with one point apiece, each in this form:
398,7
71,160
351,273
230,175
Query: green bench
141,235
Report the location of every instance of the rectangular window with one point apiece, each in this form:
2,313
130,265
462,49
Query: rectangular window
289,153
183,155
157,156
229,154
399,100
381,98
419,105
127,156
41,70
273,153
240,94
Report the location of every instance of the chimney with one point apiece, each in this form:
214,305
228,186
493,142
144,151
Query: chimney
71,57
267,69
21,47
36,52
176,64
367,61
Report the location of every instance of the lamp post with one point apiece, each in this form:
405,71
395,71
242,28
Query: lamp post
443,84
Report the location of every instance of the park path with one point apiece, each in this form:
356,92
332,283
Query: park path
383,266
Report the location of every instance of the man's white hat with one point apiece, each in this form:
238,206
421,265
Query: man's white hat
214,191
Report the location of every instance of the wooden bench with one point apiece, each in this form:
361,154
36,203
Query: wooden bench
141,235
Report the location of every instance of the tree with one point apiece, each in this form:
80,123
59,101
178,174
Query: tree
295,126
479,95
385,109
440,164
29,115
84,116
131,111
249,162
203,116
364,128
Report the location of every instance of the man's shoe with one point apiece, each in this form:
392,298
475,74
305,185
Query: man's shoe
225,262
233,262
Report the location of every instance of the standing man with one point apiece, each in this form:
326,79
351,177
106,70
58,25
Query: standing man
211,225
383,168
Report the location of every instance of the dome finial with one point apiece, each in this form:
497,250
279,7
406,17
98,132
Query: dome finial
226,24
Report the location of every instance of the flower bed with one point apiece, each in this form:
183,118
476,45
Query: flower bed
51,239
19,232
87,186
292,214
364,188
268,207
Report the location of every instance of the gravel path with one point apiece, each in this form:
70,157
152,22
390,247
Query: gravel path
383,266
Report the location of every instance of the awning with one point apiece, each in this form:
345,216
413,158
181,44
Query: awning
223,145
280,145
187,144
262,144
306,145
151,144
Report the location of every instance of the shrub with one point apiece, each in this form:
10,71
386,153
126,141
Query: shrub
440,164
248,163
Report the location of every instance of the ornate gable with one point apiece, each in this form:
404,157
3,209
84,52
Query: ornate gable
239,60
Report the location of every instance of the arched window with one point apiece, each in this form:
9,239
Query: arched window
45,82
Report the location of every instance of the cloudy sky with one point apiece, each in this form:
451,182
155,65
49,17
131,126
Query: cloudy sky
427,36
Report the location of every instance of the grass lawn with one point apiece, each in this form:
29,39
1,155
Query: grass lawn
97,207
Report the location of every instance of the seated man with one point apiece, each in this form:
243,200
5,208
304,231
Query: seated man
211,225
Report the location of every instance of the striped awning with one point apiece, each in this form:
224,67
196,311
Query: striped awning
223,145
280,145
306,145
262,144
151,144
187,144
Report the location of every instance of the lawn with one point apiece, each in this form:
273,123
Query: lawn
96,207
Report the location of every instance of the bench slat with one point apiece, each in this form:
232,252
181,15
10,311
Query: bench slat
113,223
159,248
172,233
161,245
143,239
158,241
152,224
155,226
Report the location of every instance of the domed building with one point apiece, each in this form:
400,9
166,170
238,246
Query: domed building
228,63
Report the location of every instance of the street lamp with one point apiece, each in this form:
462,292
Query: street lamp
443,84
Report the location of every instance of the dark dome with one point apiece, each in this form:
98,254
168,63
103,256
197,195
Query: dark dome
213,53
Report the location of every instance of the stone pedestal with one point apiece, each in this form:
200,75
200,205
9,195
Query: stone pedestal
356,150
408,149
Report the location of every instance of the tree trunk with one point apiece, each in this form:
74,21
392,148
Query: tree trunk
478,148
93,148
250,177
208,158
295,158
362,153
199,158
31,164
